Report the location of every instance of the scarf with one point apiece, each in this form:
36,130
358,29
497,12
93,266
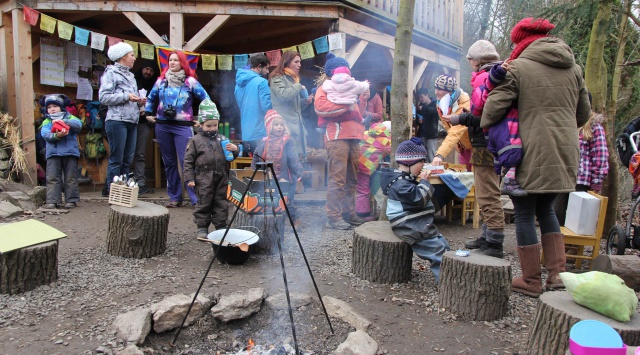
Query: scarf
292,74
57,116
273,151
175,79
524,44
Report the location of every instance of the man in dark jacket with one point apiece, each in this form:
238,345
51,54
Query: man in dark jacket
145,78
427,123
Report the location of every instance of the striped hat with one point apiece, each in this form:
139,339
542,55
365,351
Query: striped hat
446,83
411,152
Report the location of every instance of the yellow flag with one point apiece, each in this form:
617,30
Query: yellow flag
225,62
47,23
306,50
147,51
134,45
291,49
65,30
208,61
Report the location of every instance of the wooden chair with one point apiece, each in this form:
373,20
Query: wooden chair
468,205
579,241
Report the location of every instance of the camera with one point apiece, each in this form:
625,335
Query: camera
170,112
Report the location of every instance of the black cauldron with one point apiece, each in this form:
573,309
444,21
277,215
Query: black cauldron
231,251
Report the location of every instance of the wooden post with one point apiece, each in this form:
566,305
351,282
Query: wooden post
137,232
23,78
557,312
476,287
176,30
25,269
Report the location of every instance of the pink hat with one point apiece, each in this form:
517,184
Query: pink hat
341,70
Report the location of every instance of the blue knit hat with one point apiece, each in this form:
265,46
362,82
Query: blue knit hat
334,62
59,100
411,152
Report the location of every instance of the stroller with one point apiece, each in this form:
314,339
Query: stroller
620,238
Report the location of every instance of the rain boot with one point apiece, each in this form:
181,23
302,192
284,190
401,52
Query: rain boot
530,283
554,258
478,243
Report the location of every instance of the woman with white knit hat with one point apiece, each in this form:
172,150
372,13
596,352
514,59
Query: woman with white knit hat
119,91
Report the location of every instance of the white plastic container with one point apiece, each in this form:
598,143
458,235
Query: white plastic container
582,213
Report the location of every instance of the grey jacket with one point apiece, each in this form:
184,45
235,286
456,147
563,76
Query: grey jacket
116,84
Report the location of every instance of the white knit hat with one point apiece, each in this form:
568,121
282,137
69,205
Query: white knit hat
118,51
483,50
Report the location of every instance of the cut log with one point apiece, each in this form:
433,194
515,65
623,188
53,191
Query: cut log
625,266
557,312
256,223
379,256
25,269
476,287
139,231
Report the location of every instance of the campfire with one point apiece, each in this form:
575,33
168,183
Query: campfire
253,349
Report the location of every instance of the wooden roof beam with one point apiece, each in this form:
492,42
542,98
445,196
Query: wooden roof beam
355,51
206,32
176,30
144,27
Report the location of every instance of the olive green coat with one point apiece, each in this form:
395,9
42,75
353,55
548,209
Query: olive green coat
552,100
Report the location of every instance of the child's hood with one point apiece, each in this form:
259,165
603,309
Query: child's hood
386,176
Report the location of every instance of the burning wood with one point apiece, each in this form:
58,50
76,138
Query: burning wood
253,349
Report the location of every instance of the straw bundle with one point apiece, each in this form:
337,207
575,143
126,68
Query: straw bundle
10,139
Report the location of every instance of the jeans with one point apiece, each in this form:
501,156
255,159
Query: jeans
141,147
173,141
122,145
526,209
57,169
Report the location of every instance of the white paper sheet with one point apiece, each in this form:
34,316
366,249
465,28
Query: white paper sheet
85,90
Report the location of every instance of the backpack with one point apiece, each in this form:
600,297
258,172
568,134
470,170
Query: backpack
93,118
623,142
94,147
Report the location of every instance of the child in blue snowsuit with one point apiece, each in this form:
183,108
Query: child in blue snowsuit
409,207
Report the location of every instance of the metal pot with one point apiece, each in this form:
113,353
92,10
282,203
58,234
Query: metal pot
231,251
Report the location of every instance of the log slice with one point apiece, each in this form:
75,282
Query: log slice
25,269
139,231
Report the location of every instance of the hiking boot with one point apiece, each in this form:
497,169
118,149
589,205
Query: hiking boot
512,187
355,221
105,192
202,233
50,206
70,205
145,190
478,243
492,249
339,225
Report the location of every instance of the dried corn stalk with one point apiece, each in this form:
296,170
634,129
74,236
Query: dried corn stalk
10,139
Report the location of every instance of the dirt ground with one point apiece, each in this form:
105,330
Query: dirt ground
72,316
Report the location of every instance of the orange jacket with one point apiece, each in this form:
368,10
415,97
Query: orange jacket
349,129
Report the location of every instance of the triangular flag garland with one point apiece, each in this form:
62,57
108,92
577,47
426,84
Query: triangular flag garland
97,41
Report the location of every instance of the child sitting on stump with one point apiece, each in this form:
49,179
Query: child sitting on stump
409,207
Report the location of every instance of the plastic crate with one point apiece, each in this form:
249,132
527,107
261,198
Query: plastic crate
122,195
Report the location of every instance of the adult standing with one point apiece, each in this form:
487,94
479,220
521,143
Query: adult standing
452,101
482,56
428,122
287,99
254,99
145,78
173,94
371,108
342,141
547,85
119,91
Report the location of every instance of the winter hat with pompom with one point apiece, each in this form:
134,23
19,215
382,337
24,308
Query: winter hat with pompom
411,152
118,51
333,63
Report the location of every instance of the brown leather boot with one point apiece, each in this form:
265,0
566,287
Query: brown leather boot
530,283
555,258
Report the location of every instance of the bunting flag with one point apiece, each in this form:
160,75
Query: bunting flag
290,49
321,44
274,57
133,45
48,23
306,50
240,61
163,57
82,36
224,62
113,40
208,61
147,51
65,30
30,15
335,41
98,40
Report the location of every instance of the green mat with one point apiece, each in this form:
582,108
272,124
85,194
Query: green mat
24,234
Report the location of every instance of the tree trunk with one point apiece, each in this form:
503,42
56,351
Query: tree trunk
137,232
476,287
274,228
379,256
596,69
25,269
557,313
625,266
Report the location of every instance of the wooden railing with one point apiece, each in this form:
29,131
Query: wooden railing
436,17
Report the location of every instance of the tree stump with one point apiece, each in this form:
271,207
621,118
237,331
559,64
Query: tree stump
625,266
476,287
25,269
137,232
379,256
557,312
274,229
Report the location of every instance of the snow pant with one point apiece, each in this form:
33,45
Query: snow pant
487,184
431,145
363,192
211,206
173,141
62,170
343,157
526,209
141,147
122,145
432,249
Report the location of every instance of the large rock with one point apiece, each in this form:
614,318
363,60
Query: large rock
357,343
6,185
239,305
19,199
38,195
340,309
133,326
7,209
168,313
279,301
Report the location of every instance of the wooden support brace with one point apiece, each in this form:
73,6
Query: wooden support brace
144,27
355,51
417,74
206,32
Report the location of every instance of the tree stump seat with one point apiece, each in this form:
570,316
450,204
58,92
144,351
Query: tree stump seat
379,256
25,269
557,312
476,287
139,231
267,230
625,266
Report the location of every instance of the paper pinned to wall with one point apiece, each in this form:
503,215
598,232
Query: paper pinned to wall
51,63
85,90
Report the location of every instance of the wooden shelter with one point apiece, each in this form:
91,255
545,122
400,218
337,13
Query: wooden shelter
231,27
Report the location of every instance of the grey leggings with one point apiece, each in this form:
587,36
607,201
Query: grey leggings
526,209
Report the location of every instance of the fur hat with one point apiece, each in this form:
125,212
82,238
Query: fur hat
59,100
334,62
207,111
483,50
446,83
118,51
530,27
411,152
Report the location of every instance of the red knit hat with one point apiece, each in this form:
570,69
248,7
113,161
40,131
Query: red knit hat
530,27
